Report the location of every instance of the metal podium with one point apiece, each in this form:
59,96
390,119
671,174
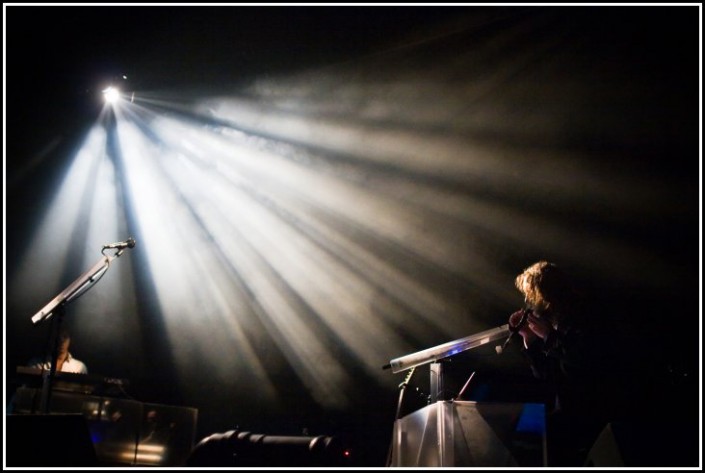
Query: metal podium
450,433
470,434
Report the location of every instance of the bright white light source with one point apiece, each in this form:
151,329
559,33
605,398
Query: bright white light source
111,94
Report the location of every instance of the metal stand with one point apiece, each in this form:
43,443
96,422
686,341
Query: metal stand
436,386
57,307
48,376
436,356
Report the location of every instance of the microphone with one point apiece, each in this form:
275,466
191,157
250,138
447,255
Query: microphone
514,330
121,245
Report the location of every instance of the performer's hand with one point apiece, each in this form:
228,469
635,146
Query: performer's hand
525,331
515,318
540,326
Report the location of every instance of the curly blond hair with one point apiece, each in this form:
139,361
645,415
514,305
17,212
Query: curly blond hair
544,286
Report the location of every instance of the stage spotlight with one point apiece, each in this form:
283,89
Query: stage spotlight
111,94
245,449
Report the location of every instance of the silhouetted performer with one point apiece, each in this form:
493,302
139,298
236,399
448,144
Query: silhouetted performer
65,361
563,351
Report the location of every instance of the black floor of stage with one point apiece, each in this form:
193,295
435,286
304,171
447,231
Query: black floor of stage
661,438
653,424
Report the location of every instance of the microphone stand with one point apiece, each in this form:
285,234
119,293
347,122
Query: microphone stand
435,356
48,376
57,307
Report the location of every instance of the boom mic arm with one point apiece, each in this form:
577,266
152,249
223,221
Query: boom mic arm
447,349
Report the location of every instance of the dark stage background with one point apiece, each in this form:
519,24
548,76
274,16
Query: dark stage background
412,161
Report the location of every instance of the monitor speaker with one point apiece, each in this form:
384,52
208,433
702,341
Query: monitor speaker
642,444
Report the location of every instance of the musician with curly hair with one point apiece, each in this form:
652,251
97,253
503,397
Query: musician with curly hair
563,351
